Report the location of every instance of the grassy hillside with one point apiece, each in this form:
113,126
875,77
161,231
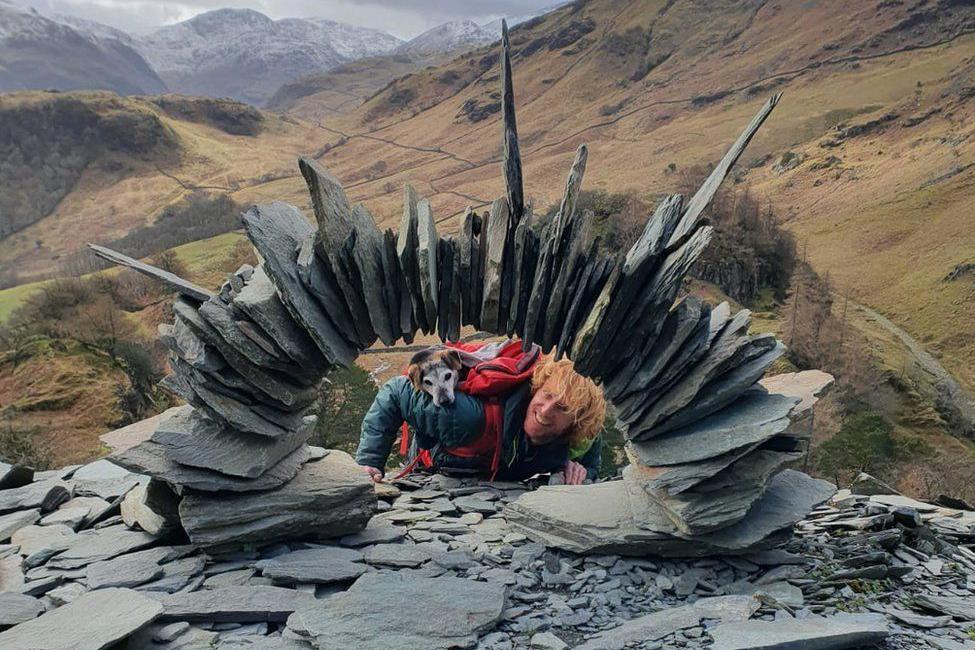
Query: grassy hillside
93,166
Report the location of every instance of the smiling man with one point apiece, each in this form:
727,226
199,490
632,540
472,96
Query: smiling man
551,423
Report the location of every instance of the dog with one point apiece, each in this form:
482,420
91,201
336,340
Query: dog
436,372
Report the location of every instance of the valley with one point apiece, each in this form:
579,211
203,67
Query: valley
866,160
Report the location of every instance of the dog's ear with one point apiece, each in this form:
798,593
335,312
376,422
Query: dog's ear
420,357
452,359
416,376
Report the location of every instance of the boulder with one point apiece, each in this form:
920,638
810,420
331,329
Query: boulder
83,623
328,498
388,610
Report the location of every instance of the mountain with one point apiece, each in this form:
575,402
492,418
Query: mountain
245,55
448,37
38,52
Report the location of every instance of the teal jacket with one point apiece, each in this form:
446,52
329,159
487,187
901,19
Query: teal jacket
459,424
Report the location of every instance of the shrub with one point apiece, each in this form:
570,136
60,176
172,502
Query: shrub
20,445
345,398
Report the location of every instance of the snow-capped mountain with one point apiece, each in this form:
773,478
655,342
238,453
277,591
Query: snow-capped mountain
246,55
448,37
39,52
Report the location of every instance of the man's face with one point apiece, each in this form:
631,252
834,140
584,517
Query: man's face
547,418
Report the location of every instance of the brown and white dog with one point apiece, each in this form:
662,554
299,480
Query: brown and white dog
436,371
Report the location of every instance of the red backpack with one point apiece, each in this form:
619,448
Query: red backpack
490,380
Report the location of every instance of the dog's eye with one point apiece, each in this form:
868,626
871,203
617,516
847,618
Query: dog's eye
448,376
428,382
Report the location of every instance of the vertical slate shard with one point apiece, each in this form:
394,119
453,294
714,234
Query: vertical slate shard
407,246
523,272
335,242
512,156
690,219
397,296
573,185
465,252
276,230
318,277
427,250
368,256
491,306
478,252
538,300
454,301
445,264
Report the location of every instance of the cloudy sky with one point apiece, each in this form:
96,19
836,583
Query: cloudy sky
403,18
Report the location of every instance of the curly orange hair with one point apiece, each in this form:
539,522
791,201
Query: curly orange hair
580,394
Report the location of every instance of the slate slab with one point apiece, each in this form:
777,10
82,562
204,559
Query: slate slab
150,457
171,280
381,611
956,606
276,230
250,604
82,624
131,569
151,507
314,565
812,633
375,532
328,498
44,495
259,301
492,318
18,608
756,417
194,440
11,523
427,263
651,627
407,246
91,546
396,555
32,539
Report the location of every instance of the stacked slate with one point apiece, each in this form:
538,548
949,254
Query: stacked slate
706,439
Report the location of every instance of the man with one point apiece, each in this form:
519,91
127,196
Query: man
549,424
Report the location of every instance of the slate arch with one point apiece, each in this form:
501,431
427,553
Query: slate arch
683,378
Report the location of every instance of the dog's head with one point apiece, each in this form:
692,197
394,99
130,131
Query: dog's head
436,372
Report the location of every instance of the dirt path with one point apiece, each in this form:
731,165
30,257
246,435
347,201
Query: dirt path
955,404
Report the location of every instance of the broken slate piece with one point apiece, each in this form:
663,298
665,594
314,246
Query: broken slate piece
314,565
94,621
45,495
250,604
14,476
18,608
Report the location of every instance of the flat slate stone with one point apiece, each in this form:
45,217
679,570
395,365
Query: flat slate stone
194,440
397,555
651,627
14,476
11,523
813,633
44,495
150,457
314,565
18,608
961,608
375,532
251,604
276,230
32,539
94,621
265,354
756,417
328,498
381,611
99,544
129,570
599,518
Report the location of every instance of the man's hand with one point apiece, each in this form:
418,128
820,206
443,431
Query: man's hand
374,473
575,473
